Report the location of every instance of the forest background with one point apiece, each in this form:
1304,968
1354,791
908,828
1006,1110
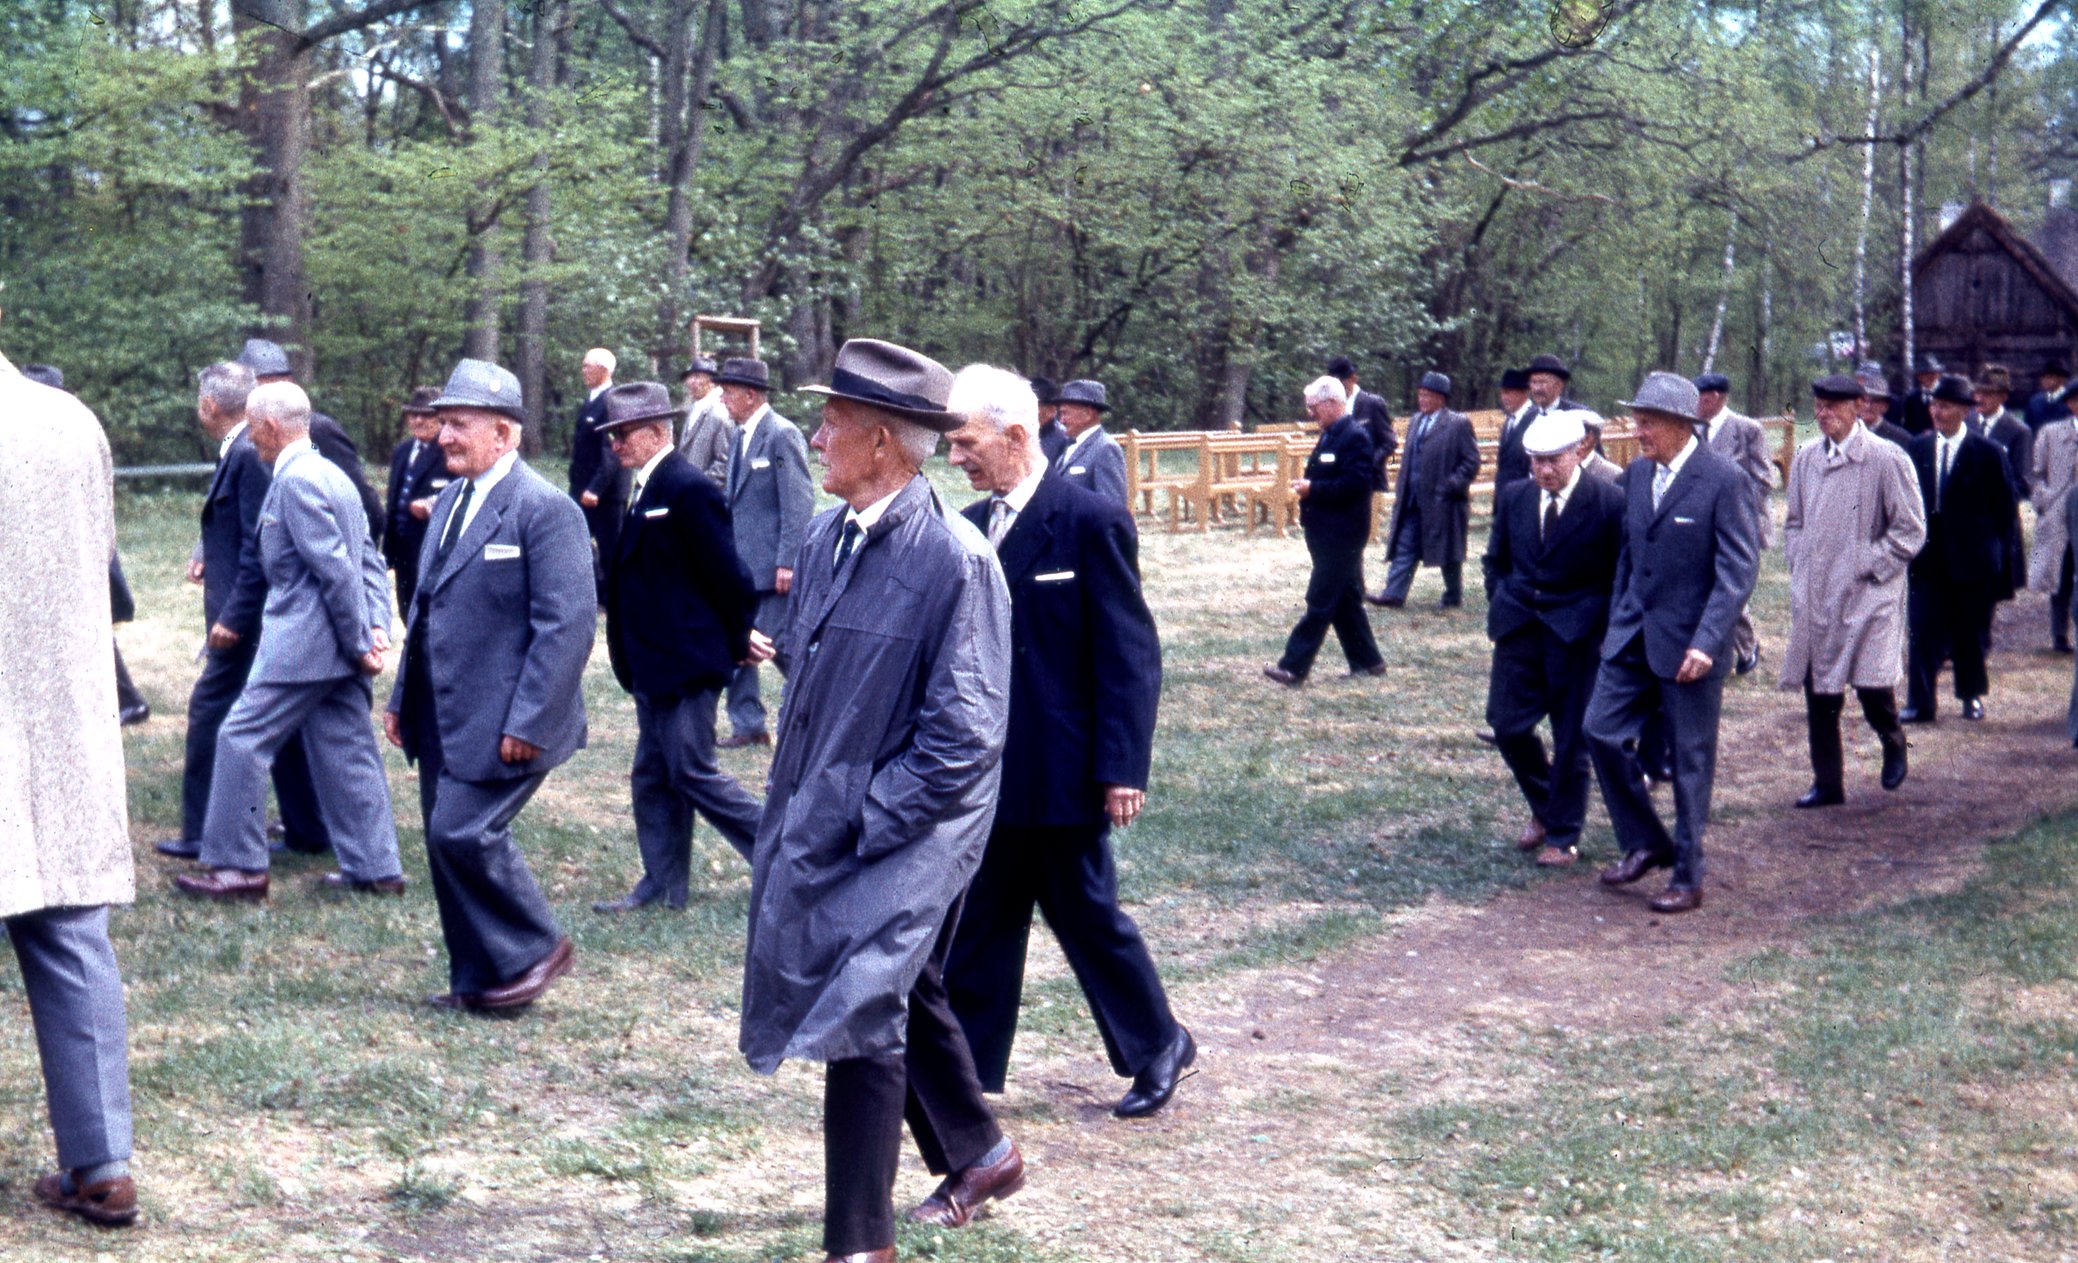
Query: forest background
1196,201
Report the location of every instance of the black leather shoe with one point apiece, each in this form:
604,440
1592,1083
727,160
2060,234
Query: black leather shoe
1816,797
1153,1086
1384,602
2061,646
1894,766
614,907
179,848
1911,716
1633,866
1284,677
1973,709
1746,662
1376,668
131,716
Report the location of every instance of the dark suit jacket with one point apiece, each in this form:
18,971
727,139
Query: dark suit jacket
1686,570
1511,461
1563,582
1086,663
1376,419
1915,411
1891,430
2016,442
1336,513
592,467
423,478
234,588
1967,539
332,443
1053,439
1099,465
678,600
2043,408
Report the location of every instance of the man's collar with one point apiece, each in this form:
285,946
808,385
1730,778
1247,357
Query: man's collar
500,467
870,516
1021,495
223,445
649,466
1688,449
1075,444
289,453
598,390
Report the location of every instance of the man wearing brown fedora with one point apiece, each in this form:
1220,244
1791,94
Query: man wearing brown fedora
884,781
678,610
770,501
418,472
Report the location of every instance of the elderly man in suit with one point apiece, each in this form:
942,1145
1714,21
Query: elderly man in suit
1742,442
323,633
1086,673
270,364
597,482
418,472
226,563
1915,412
1432,501
1690,552
1092,460
1550,565
1855,522
1591,458
709,434
1873,410
771,499
884,780
1053,439
2046,405
2055,473
1335,517
2016,441
678,611
490,698
1370,412
64,827
1960,576
1518,410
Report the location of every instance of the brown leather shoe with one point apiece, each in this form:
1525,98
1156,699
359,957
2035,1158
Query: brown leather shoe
959,1196
1532,836
110,1203
1633,865
528,987
743,739
336,880
1556,857
1286,678
1677,899
885,1254
223,884
453,1000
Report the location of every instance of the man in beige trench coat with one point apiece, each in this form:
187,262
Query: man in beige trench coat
1855,522
64,820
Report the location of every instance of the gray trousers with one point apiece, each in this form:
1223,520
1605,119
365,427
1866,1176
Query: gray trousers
1626,692
674,777
353,793
746,708
76,1003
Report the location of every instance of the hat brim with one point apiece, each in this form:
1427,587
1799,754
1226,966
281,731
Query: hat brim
725,379
1095,407
932,419
621,423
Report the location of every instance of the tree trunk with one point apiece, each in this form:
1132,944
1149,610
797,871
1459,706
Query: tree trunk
1861,236
1724,297
685,126
274,114
549,20
486,90
1905,214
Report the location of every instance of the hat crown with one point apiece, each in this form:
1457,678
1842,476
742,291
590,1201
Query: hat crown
744,371
1438,382
482,384
1953,389
1554,432
1086,391
701,364
1551,364
422,398
638,401
264,358
1666,392
1837,386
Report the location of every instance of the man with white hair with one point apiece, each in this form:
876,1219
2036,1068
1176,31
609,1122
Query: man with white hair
323,633
1085,676
597,481
1335,515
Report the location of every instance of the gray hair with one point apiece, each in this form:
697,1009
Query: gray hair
998,398
281,404
602,357
226,385
916,441
1324,388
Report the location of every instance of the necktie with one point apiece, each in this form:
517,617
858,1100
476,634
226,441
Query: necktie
845,545
1000,517
454,525
1941,482
1551,512
1660,478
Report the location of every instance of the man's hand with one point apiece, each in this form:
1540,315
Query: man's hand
371,663
195,570
422,509
1300,486
782,581
1694,666
760,649
381,637
1123,804
512,750
393,728
222,637
588,500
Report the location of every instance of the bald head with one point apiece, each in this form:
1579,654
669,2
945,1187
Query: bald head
277,414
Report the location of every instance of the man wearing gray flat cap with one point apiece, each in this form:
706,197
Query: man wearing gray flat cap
1432,499
270,364
771,497
1690,552
1093,460
883,787
491,694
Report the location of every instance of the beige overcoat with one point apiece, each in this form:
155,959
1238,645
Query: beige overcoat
1855,521
2056,470
64,829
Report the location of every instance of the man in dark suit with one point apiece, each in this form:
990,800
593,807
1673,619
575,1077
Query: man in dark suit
678,612
2017,443
1961,574
1370,412
1691,549
1550,565
1335,515
2046,406
1432,501
1085,675
771,499
234,588
1053,440
597,481
490,698
1915,411
1511,461
1092,459
270,364
418,472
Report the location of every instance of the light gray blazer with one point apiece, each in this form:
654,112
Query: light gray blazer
512,615
708,440
771,498
327,584
1744,442
1098,465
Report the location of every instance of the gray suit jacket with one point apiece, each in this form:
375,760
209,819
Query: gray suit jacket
1099,465
1685,569
327,584
708,439
1744,443
511,615
771,498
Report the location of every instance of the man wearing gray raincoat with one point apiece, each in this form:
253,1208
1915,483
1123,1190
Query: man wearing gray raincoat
883,786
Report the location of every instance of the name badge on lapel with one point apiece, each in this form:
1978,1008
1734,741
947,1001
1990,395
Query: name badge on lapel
1684,521
657,512
761,463
1327,458
500,552
1078,469
1054,576
438,483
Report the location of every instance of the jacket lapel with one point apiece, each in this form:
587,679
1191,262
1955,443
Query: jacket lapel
1679,488
898,511
480,528
1026,540
1570,516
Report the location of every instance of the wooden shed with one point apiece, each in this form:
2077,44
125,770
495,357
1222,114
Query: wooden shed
1984,294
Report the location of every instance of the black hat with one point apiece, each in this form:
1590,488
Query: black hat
1713,381
1045,391
1090,394
1515,379
894,379
1341,366
1926,364
1438,382
2055,368
700,364
1837,388
1953,389
45,375
744,372
633,403
421,400
1551,364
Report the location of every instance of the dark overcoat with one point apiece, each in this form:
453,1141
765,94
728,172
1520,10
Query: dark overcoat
678,601
1436,474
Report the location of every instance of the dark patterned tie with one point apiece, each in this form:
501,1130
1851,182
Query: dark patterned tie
852,535
454,526
1550,514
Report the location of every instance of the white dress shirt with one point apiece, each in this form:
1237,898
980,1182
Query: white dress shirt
1013,502
642,475
1075,445
482,485
223,449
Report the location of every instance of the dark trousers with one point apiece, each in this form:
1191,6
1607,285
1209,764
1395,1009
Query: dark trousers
222,679
1626,692
1334,598
407,583
603,521
1404,556
746,707
2060,603
1536,675
1068,874
673,779
1944,624
1822,722
126,695
865,1099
